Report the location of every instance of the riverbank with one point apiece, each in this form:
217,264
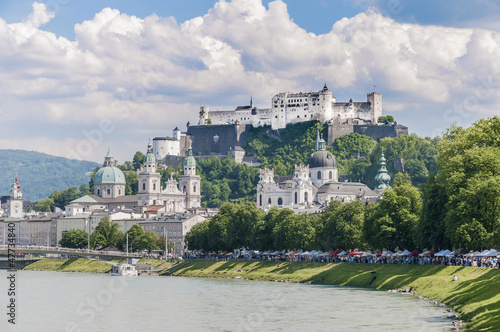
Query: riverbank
72,265
475,295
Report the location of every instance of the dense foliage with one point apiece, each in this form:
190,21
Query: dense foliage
457,206
224,180
40,174
75,238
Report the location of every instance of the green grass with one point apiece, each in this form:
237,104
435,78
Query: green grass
70,265
151,261
476,294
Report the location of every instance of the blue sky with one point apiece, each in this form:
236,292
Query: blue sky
79,75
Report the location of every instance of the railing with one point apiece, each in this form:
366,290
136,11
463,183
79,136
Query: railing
61,250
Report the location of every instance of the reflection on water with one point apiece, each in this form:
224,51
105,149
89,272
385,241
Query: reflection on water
52,301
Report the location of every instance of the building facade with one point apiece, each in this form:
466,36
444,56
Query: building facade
287,108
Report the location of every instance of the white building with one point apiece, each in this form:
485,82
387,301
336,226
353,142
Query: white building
287,107
15,204
170,146
316,183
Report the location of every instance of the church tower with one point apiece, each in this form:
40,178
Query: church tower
383,178
149,180
15,201
189,182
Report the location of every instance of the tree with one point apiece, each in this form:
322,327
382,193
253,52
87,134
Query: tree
131,183
84,190
45,205
386,119
106,234
138,160
197,238
343,225
64,197
147,241
395,217
133,233
75,238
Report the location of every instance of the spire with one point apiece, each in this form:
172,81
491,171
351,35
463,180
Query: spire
149,157
251,101
325,87
320,142
383,178
316,147
108,159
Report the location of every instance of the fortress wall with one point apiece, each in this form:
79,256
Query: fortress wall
217,139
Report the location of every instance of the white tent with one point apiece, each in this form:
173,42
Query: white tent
404,253
388,253
443,253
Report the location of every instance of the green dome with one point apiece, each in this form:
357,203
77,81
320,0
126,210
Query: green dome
189,160
383,178
149,157
109,174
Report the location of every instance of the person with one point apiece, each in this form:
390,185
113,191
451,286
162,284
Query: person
455,278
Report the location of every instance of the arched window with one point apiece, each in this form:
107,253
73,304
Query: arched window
144,186
319,175
119,191
184,189
280,201
331,175
306,197
295,197
194,189
154,186
98,192
260,200
269,200
108,191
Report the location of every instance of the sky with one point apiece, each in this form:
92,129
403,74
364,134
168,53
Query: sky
78,76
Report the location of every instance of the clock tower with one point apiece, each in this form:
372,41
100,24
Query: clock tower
16,201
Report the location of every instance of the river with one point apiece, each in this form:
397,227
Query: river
56,301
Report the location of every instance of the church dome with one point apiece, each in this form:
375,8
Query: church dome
109,174
322,158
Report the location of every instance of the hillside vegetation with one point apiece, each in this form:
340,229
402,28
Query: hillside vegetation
40,174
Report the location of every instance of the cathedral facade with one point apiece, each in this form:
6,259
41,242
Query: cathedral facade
316,183
287,108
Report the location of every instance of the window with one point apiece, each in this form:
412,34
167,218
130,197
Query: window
119,191
269,200
319,175
98,192
260,200
194,189
108,191
306,196
184,189
144,186
280,201
154,186
331,175
295,197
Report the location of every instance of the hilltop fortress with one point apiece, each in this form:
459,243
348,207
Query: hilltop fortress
224,132
287,108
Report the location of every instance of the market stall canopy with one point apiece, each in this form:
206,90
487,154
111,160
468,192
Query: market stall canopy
388,253
414,253
404,253
443,253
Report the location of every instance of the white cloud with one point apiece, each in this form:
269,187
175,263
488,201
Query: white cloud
148,74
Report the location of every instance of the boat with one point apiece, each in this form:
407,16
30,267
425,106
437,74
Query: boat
124,270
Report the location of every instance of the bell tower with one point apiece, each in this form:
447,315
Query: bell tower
15,201
189,182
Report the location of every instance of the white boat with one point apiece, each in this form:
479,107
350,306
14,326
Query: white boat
125,270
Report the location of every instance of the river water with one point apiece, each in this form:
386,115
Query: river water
56,301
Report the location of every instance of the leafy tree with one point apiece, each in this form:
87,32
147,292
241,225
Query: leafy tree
64,197
343,225
386,119
147,241
45,205
75,238
131,183
431,227
197,238
138,160
395,217
133,233
350,145
106,234
84,190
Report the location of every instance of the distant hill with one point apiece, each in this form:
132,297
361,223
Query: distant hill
40,174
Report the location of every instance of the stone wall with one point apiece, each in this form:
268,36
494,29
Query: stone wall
217,139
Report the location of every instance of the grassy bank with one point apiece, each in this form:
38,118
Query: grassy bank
476,294
70,265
